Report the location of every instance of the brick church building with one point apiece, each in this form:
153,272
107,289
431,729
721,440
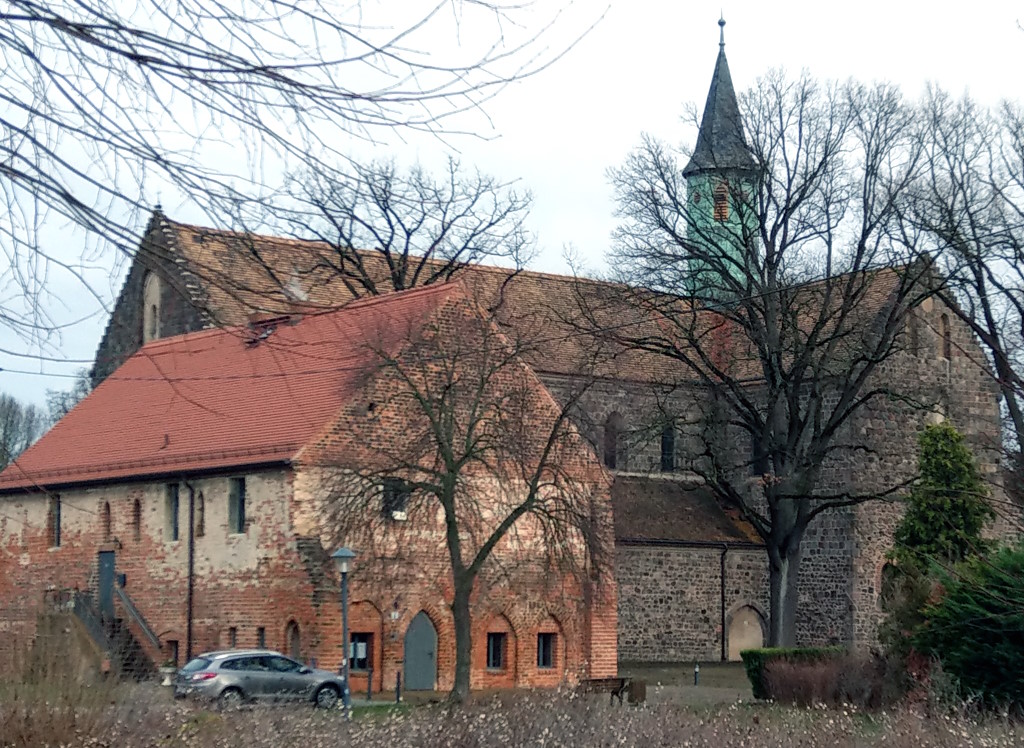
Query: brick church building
688,578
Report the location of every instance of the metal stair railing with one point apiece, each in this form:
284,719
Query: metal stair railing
135,615
81,605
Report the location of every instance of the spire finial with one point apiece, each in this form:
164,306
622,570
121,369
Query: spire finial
721,30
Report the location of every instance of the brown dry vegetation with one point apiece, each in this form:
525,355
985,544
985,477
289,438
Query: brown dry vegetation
146,716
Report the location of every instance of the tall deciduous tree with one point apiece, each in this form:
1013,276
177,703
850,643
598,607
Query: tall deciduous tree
487,459
781,305
387,230
969,204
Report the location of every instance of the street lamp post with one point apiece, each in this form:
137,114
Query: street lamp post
342,561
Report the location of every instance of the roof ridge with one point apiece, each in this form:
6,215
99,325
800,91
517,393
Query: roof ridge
354,305
327,245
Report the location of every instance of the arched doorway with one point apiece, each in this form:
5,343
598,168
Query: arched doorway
293,640
746,631
420,654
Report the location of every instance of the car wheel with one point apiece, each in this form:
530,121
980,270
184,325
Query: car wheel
230,698
327,697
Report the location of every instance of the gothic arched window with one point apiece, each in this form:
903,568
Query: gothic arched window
721,195
107,529
150,308
947,338
613,448
668,448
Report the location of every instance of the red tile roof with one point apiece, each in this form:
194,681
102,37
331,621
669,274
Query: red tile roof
223,398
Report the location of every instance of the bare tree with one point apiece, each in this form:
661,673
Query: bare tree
488,464
388,231
781,306
20,425
103,105
60,402
969,205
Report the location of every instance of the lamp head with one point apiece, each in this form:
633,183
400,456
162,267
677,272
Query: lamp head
343,559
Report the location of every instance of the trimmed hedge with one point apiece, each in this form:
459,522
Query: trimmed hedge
755,660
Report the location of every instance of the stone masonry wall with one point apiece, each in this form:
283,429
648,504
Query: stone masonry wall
670,601
177,315
959,388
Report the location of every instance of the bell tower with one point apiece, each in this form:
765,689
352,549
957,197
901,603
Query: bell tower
721,177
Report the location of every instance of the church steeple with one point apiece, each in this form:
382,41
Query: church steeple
720,143
720,183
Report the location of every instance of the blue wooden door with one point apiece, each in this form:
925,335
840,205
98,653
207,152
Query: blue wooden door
106,585
420,654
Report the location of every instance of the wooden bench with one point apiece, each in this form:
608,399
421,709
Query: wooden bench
617,687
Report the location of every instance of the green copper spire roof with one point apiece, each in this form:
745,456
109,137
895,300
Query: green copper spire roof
720,143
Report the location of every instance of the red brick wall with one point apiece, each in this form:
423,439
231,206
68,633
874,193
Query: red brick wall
250,580
269,577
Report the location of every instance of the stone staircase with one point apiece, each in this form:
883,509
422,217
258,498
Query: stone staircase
117,645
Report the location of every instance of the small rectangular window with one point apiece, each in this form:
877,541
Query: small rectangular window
172,651
236,506
233,637
261,637
54,518
396,498
496,642
360,651
171,506
545,650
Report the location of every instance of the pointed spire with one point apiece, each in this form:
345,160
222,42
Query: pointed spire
720,143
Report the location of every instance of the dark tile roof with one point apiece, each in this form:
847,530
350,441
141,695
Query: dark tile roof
657,509
234,275
720,143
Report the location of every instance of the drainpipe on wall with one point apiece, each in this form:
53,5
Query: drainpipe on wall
725,550
190,589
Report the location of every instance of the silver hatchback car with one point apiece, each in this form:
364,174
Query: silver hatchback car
232,677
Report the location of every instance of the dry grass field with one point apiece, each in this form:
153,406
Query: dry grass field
146,716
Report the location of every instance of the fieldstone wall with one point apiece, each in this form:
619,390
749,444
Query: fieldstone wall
177,314
957,387
670,599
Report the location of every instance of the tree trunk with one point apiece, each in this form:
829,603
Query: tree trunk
463,643
784,571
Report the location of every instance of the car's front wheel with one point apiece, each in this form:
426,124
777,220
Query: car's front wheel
230,698
327,697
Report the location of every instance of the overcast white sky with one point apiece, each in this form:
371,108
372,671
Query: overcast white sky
560,131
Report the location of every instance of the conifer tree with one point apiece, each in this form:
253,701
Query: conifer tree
947,508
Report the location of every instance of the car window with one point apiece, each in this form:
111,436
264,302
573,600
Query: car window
199,663
237,663
258,664
283,665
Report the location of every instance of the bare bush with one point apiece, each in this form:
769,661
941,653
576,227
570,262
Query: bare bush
864,681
